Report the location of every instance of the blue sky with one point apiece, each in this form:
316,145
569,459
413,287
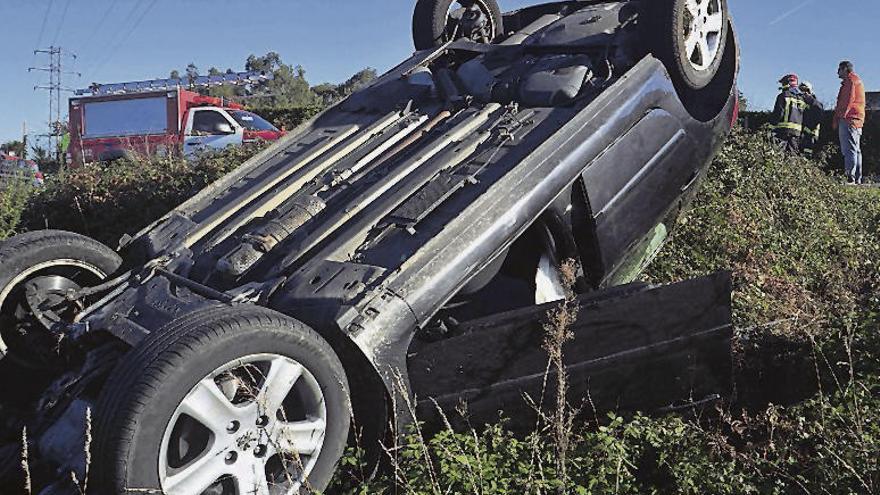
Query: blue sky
123,40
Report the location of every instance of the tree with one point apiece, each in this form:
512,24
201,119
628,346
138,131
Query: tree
40,153
287,88
192,72
357,81
267,63
13,147
329,93
326,92
743,102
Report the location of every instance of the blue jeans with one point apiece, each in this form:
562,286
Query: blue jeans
850,146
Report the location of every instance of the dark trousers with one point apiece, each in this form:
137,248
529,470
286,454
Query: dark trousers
808,144
788,142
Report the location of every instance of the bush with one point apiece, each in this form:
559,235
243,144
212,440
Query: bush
829,141
107,200
14,195
802,247
287,118
804,252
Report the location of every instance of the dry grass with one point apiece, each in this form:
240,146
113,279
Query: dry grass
557,333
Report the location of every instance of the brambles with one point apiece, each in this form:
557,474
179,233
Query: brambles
107,200
804,253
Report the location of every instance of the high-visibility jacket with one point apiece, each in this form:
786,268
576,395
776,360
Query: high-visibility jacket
788,114
813,117
851,101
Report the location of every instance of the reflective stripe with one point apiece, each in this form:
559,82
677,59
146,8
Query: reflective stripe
789,126
797,102
813,132
793,102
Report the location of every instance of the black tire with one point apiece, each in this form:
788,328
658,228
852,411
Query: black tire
431,16
138,401
46,252
670,25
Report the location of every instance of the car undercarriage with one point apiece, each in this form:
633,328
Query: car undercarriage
328,280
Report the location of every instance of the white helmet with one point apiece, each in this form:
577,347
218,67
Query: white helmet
807,87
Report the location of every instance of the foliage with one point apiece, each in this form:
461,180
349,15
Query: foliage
288,87
801,246
829,141
13,147
804,251
743,102
14,194
107,200
287,118
331,93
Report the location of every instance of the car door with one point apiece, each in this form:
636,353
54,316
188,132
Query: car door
630,188
210,128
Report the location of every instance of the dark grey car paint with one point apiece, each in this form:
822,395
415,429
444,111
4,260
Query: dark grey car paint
611,168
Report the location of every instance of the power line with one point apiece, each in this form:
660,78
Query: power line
61,22
127,35
44,23
97,28
121,29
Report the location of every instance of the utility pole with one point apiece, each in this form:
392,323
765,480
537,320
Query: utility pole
24,143
55,87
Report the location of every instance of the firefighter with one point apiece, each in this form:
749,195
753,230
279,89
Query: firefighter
812,118
788,114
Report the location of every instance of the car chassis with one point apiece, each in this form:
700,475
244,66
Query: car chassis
398,224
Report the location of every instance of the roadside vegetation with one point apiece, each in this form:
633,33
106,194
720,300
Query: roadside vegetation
805,417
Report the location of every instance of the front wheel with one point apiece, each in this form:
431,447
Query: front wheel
37,270
226,401
690,37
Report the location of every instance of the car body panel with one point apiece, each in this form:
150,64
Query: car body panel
365,221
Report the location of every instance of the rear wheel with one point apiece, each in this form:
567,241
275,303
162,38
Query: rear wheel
690,37
436,22
224,402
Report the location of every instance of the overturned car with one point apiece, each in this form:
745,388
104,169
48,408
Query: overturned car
238,342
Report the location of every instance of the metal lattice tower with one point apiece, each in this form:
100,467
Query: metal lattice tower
55,87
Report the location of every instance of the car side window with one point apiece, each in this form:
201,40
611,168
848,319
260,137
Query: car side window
205,122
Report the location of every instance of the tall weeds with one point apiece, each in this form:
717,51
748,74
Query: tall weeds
557,333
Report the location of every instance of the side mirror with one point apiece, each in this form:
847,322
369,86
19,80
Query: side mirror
223,128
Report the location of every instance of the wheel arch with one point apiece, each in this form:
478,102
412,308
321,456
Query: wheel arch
371,397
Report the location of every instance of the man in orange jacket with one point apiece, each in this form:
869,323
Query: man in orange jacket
849,118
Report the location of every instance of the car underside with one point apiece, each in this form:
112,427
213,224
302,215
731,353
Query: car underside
253,321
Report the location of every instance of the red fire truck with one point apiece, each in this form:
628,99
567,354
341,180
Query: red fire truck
160,117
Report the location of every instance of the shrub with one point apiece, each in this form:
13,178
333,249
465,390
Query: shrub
14,196
288,118
802,247
804,251
107,200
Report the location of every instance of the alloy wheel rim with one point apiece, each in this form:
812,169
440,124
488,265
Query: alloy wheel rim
703,28
255,425
81,274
